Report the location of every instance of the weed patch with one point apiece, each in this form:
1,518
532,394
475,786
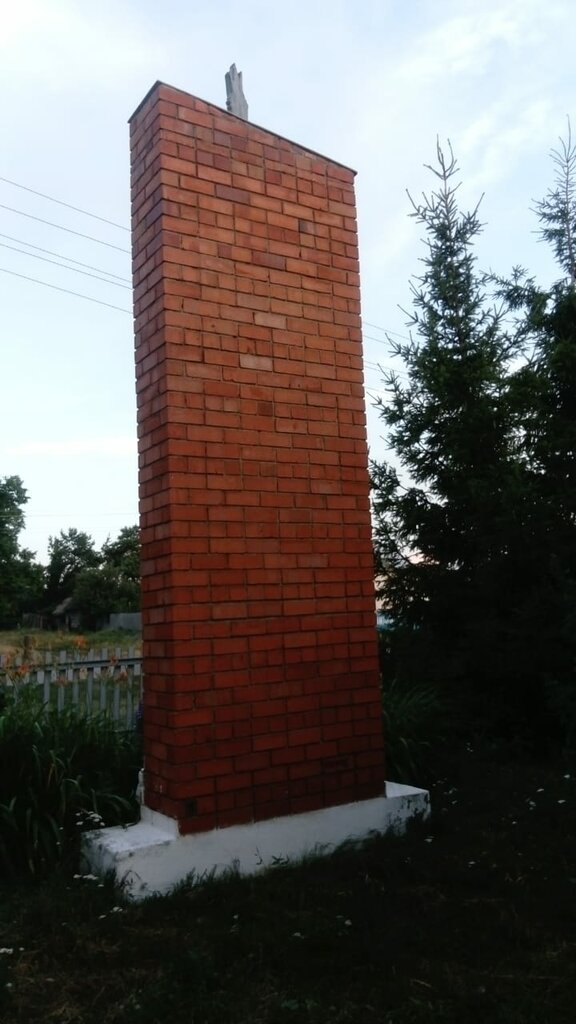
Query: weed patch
60,773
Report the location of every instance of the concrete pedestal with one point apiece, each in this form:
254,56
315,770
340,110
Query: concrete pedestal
151,857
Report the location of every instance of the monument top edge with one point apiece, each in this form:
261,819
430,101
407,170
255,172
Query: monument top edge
222,110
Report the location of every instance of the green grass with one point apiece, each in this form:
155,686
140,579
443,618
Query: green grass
59,771
471,918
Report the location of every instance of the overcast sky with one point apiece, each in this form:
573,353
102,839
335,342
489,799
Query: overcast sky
370,83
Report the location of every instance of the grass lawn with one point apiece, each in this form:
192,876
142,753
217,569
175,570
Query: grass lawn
471,917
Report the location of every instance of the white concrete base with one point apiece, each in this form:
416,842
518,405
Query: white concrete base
151,857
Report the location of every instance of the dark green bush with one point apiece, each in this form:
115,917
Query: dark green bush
416,724
60,774
418,714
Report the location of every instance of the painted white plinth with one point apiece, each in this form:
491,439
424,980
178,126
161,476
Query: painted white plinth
151,857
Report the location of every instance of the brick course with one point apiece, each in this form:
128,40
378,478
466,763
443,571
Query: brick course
262,691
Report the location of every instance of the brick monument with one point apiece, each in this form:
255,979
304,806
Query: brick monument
262,697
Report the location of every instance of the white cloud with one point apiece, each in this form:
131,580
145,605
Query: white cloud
65,43
496,145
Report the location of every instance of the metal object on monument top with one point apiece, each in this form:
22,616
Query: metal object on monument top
235,98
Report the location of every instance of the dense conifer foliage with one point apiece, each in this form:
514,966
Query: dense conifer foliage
475,513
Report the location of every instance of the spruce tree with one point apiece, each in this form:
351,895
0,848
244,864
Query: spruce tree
450,510
545,390
475,516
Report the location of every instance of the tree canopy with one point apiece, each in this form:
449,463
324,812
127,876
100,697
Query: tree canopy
114,584
475,513
96,582
69,554
20,577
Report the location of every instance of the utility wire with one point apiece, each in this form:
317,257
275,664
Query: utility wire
62,228
385,331
121,227
67,291
60,202
373,367
74,270
69,259
381,341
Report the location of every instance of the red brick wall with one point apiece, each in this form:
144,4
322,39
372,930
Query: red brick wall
260,655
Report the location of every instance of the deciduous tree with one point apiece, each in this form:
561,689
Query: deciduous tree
20,575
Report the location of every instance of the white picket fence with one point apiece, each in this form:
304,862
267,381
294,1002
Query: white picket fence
108,680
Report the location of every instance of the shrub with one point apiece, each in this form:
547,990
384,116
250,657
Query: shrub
416,721
60,773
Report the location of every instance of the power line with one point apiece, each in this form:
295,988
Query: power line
381,383
373,367
60,202
369,365
381,341
67,291
385,330
74,270
62,228
122,227
69,259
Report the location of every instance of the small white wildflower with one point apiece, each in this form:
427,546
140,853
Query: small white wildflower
429,839
471,863
541,790
561,801
8,984
348,923
101,917
296,935
4,949
116,910
567,776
